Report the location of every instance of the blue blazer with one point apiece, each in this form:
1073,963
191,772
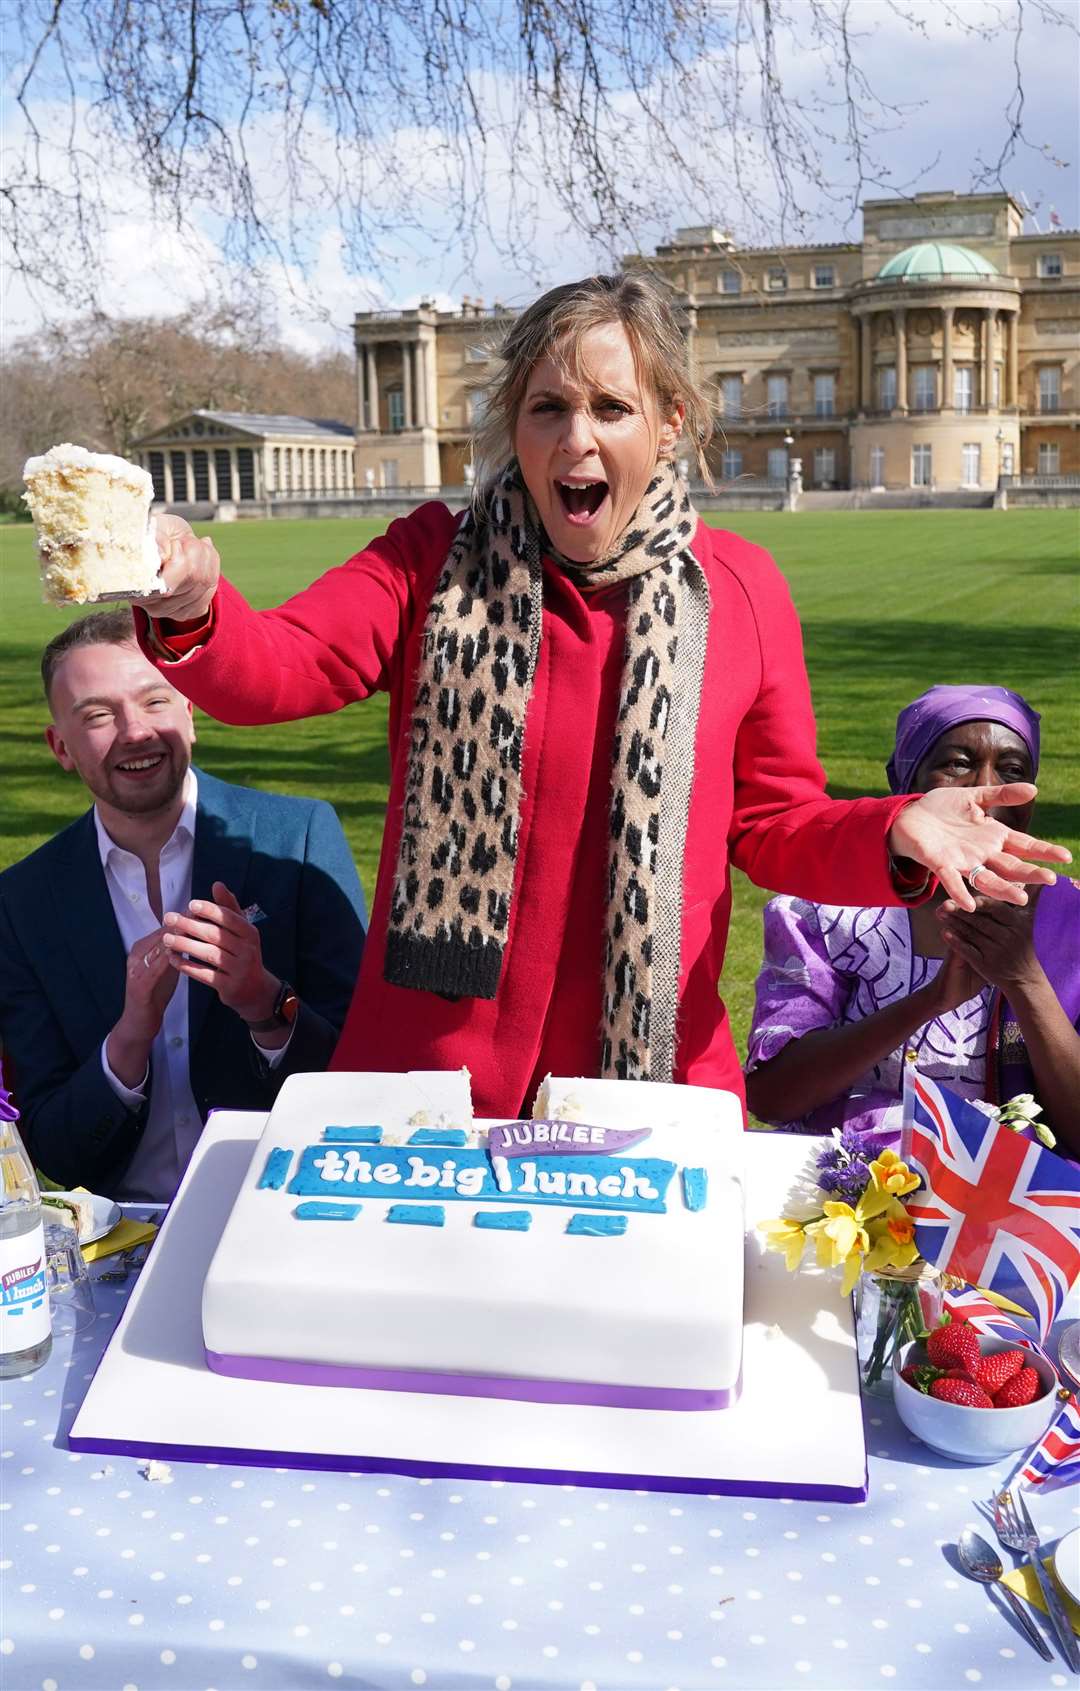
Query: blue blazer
62,965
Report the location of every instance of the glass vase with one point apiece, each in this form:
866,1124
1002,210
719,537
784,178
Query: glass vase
890,1310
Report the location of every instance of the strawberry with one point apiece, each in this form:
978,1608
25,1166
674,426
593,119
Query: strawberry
955,1344
920,1375
963,1392
993,1371
1023,1387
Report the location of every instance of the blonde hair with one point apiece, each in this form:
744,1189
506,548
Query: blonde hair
559,320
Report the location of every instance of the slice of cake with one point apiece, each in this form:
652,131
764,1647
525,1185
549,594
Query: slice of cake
94,535
382,1238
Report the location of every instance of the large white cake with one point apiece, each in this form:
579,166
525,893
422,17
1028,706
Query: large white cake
383,1238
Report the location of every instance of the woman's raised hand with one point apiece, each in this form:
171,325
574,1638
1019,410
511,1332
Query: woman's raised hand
951,832
191,569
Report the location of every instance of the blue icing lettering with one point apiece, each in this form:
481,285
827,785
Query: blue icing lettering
597,1226
505,1221
632,1183
695,1188
352,1135
326,1212
275,1170
439,1136
417,1215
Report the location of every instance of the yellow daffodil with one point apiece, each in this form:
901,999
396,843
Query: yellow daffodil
892,1240
786,1236
892,1174
840,1236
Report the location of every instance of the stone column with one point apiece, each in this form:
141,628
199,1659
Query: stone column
361,372
234,473
947,396
866,374
211,474
1012,390
420,366
406,381
432,371
900,319
167,472
988,358
372,421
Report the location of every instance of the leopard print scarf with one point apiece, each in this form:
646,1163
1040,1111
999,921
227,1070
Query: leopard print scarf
450,906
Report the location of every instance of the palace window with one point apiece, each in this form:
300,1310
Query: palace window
824,395
777,391
922,466
245,471
1049,458
824,466
1050,387
729,282
877,466
200,472
923,387
390,472
824,276
887,388
157,474
963,387
776,279
395,408
778,463
731,394
971,464
731,464
1050,266
179,477
1008,458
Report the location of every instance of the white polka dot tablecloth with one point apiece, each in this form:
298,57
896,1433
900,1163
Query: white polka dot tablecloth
212,1577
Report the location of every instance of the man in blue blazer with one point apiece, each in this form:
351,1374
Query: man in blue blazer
182,947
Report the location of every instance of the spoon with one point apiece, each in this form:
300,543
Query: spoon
984,1564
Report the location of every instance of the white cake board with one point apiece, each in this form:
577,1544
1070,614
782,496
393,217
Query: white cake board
797,1430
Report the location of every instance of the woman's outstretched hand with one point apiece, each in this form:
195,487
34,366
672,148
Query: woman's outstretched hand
950,831
190,568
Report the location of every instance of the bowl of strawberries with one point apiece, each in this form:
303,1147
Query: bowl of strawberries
972,1397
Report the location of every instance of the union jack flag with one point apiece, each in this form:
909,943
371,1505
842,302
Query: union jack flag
968,1303
1055,1461
994,1209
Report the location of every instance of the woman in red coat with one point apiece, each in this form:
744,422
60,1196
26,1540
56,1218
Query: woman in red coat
596,704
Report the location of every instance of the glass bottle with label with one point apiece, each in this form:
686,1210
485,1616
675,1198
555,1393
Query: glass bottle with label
25,1324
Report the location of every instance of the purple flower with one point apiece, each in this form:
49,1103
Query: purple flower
8,1112
843,1166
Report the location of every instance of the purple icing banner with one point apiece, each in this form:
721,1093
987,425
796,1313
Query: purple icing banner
561,1138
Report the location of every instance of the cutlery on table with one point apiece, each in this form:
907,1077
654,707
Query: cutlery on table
983,1564
1016,1529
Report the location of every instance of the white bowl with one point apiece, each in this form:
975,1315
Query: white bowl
973,1435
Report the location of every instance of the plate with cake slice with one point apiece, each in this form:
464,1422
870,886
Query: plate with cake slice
95,532
93,1215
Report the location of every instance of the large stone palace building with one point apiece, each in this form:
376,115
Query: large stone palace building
940,352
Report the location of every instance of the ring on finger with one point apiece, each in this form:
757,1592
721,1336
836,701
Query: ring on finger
973,874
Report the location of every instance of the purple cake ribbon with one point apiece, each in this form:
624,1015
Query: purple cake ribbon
561,1138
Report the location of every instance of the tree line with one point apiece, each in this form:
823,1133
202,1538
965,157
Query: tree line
103,382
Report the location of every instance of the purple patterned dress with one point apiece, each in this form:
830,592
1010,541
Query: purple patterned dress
826,965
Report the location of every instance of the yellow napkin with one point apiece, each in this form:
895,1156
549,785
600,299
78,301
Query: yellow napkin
1024,1581
121,1238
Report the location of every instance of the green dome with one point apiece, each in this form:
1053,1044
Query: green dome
932,260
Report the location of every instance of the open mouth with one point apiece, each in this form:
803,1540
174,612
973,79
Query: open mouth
140,767
581,500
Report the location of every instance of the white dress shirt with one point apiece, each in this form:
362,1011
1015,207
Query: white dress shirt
173,1123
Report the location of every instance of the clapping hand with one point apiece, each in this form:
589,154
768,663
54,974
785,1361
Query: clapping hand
950,831
213,942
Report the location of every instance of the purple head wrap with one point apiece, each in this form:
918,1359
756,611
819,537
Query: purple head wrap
929,716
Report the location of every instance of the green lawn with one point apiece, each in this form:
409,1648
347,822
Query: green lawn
890,602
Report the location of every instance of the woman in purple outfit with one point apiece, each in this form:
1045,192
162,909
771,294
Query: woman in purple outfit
989,1001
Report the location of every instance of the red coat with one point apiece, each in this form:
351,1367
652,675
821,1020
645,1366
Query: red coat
758,797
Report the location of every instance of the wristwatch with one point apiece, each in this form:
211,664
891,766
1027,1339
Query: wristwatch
286,1008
